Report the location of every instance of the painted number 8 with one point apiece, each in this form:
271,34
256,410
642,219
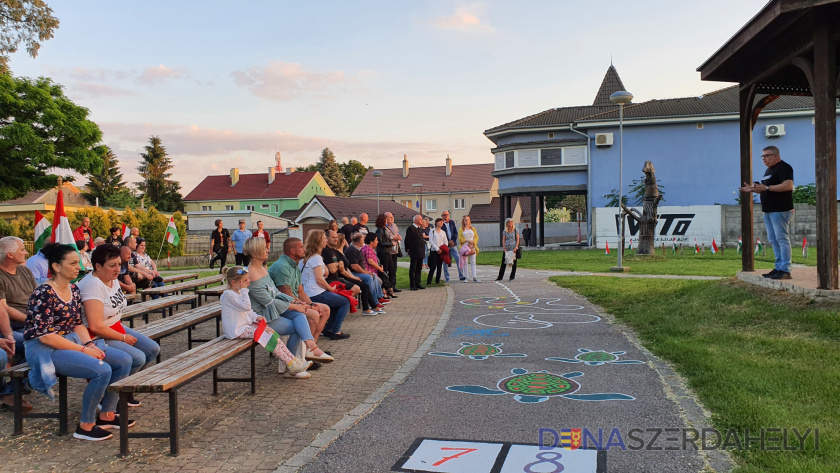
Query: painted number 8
541,458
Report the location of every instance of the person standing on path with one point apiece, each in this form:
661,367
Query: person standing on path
240,236
451,234
394,233
219,244
437,239
384,248
261,233
415,245
468,234
510,239
526,234
776,193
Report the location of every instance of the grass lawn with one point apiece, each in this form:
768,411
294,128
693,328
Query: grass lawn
755,358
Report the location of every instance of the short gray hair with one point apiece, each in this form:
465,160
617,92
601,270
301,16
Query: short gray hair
8,245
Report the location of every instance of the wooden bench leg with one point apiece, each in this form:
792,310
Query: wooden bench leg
173,422
18,409
189,338
216,382
62,405
122,407
253,371
219,326
131,322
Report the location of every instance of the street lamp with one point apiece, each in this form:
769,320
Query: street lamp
621,97
377,175
421,196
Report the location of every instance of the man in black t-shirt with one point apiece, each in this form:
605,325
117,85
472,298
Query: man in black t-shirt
361,227
219,244
347,229
776,192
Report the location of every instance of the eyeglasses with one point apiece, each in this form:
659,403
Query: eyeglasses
767,155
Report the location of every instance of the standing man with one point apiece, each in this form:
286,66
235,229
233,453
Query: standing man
361,227
415,245
16,285
526,234
238,239
394,232
347,228
452,235
219,244
260,233
135,233
85,233
776,193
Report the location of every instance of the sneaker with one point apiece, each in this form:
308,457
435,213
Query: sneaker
770,274
464,280
335,336
370,312
781,275
133,402
384,301
397,290
112,424
379,306
323,358
315,366
301,375
94,435
381,311
476,280
298,366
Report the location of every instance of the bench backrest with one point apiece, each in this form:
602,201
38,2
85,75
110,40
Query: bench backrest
163,327
164,302
184,285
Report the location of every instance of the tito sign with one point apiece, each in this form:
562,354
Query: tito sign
685,224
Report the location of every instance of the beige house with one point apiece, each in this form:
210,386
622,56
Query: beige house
431,190
43,201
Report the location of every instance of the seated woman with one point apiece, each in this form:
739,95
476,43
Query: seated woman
373,265
57,343
313,278
104,303
84,250
148,275
283,313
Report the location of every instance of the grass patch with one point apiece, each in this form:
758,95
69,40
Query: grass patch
756,358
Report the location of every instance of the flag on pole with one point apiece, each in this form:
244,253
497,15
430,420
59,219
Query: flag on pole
172,232
804,247
43,231
714,246
631,246
758,246
126,232
696,247
674,247
740,245
266,337
608,246
61,231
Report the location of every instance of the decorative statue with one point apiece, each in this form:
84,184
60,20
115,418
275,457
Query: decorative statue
648,218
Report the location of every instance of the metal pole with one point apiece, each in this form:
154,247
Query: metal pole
377,197
620,179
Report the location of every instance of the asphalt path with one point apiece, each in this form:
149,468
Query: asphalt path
460,398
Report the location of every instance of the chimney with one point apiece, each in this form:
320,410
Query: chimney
289,171
405,166
234,176
448,166
271,172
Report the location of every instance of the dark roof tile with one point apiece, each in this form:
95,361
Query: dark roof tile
464,178
340,207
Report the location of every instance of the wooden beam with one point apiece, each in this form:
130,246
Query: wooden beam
746,96
825,131
807,67
760,106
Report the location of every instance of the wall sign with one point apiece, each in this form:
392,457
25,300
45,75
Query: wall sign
685,224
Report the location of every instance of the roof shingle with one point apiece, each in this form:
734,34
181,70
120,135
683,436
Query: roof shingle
340,207
464,178
251,186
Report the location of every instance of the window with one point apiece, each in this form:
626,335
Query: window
529,158
509,160
228,207
263,206
431,205
460,204
250,207
205,208
275,208
406,204
551,157
500,161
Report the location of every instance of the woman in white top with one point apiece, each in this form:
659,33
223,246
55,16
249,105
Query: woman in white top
104,303
147,267
313,278
467,234
437,239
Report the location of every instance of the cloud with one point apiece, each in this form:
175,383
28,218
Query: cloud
465,19
282,81
160,74
93,89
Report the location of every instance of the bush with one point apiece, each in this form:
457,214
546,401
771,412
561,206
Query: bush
558,215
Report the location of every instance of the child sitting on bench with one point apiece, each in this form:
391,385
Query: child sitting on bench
239,321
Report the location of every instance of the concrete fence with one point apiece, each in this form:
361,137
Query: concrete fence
803,224
489,233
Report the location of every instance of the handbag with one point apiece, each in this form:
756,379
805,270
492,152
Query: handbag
519,253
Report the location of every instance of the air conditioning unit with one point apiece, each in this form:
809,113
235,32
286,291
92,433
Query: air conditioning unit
603,139
774,131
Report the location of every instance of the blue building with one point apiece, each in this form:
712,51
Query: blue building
693,143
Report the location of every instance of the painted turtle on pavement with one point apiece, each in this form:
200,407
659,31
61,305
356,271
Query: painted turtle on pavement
479,351
597,357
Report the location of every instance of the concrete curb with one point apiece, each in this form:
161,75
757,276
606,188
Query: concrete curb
778,284
326,437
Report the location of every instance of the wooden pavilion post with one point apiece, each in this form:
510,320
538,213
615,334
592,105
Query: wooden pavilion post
533,241
746,126
824,92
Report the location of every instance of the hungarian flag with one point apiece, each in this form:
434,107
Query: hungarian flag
61,231
266,337
740,244
696,247
758,246
804,246
674,247
714,246
43,231
126,232
631,246
608,246
172,232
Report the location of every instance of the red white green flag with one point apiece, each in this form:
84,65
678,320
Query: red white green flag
740,245
804,247
43,231
674,247
608,246
759,248
61,231
266,337
172,232
696,247
714,246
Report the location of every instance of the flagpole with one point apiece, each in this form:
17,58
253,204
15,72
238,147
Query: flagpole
161,242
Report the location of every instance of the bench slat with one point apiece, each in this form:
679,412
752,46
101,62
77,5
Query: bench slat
163,327
179,277
141,308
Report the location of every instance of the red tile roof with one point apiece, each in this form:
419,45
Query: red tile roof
464,178
490,212
251,186
340,207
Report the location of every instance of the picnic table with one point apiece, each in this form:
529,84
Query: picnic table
156,305
211,291
179,277
181,286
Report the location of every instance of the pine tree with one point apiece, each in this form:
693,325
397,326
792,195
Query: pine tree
331,172
156,187
107,183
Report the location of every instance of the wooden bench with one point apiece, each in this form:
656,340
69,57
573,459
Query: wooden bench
211,291
186,320
156,305
20,372
181,286
179,277
174,373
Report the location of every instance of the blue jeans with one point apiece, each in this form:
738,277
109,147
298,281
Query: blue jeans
293,324
76,364
339,307
778,229
8,388
373,284
454,256
142,353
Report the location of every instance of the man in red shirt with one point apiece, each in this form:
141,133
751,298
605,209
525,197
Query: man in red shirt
260,233
85,233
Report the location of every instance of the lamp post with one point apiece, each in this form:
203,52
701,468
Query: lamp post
621,97
377,175
421,196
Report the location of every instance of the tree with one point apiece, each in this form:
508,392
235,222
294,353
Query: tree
637,190
106,183
331,172
648,217
156,188
558,215
41,131
353,172
26,22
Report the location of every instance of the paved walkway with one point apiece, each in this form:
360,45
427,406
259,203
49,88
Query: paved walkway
237,431
544,333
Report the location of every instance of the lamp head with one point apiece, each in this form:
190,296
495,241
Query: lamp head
621,97
377,174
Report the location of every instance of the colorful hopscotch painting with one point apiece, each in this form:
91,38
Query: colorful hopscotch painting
514,313
463,456
479,351
597,358
538,387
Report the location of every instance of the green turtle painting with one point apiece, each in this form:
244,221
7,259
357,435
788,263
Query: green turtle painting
479,351
597,357
539,386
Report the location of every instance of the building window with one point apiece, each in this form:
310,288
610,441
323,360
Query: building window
263,206
460,204
551,157
275,208
205,208
509,162
228,207
431,205
406,203
500,161
250,207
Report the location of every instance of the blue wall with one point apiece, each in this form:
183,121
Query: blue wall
574,178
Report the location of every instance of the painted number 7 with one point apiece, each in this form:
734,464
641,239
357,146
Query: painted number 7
464,451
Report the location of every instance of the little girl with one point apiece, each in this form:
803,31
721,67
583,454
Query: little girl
239,321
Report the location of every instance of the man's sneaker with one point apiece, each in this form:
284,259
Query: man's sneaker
297,365
94,435
464,280
301,375
476,280
370,312
112,424
384,301
770,274
781,275
133,402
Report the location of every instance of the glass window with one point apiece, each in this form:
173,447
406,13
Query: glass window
250,207
551,157
263,206
205,208
460,204
275,208
406,203
431,204
509,160
500,161
228,207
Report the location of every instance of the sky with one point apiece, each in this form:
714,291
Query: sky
225,84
